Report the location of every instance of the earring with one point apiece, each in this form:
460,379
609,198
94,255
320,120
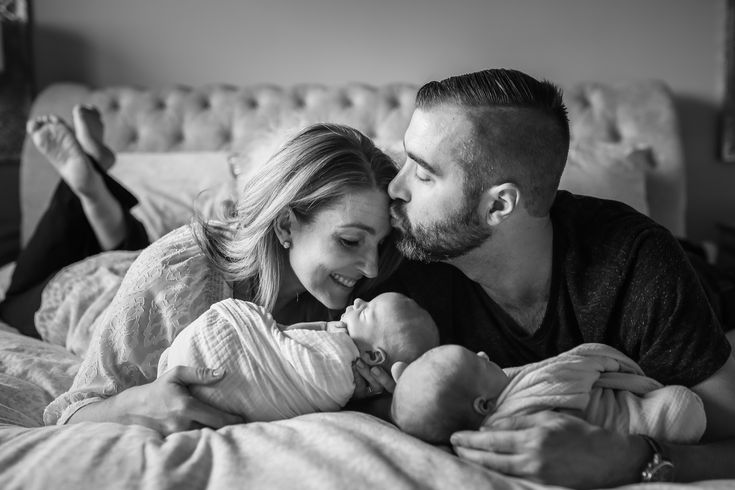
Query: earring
287,244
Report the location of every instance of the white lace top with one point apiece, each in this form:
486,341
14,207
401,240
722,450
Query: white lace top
169,285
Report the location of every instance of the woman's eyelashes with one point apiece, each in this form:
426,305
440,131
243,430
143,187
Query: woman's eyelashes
349,242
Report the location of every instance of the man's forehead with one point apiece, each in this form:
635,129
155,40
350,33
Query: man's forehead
446,130
443,120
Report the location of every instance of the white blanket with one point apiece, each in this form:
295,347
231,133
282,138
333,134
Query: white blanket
609,389
270,374
325,451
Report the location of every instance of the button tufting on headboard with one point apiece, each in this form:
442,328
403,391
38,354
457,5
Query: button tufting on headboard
226,118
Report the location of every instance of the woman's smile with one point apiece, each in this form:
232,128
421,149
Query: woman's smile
344,280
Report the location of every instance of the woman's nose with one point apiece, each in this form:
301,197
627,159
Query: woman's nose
369,266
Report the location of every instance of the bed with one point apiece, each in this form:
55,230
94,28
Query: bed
177,144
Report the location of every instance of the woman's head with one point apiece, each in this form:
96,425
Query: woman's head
315,215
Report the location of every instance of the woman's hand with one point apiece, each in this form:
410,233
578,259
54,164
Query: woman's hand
370,381
165,405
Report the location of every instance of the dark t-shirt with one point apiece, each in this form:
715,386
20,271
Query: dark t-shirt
618,278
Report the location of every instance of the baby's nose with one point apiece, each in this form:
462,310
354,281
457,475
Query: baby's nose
358,302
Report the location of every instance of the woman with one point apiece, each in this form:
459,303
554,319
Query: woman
303,241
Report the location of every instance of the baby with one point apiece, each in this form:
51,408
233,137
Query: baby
275,372
451,388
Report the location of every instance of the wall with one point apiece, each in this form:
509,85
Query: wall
155,42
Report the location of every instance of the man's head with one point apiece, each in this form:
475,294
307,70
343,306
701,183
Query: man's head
479,147
390,328
446,390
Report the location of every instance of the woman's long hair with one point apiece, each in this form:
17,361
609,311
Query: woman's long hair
312,171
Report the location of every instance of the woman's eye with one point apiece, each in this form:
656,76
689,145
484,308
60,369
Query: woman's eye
346,242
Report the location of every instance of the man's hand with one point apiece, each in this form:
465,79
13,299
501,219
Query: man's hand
557,449
164,405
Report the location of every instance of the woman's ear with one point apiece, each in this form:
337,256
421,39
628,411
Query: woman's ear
396,370
283,225
499,202
482,405
374,357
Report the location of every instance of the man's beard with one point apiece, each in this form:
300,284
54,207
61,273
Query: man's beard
453,236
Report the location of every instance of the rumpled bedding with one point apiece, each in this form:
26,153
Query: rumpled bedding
271,374
608,389
324,451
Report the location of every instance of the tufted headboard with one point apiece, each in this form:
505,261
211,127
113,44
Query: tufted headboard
227,118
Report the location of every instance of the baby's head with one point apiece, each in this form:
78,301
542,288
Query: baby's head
447,389
390,328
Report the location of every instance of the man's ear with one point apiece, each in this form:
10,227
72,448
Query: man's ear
482,405
283,225
374,357
396,370
499,202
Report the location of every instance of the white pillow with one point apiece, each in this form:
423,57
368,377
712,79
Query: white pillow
608,171
171,186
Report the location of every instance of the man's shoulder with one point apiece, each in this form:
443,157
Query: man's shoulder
589,221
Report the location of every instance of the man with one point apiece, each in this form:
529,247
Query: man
523,272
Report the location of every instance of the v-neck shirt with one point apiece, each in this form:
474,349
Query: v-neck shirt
617,278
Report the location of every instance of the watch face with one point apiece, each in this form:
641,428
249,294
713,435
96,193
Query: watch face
662,471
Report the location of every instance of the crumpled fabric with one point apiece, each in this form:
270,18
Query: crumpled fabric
609,389
269,374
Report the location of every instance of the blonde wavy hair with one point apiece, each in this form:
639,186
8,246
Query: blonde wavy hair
309,173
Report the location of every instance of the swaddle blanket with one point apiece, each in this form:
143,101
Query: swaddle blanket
270,374
609,389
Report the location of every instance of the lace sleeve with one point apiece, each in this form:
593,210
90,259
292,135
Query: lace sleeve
168,286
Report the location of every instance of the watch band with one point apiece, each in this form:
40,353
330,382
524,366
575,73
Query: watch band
659,468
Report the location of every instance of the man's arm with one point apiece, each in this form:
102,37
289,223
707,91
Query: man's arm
554,448
714,458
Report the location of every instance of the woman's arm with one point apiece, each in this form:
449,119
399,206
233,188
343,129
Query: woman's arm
165,405
166,288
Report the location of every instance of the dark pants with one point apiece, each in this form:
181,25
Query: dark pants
63,236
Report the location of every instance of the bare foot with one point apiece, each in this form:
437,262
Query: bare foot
89,131
56,141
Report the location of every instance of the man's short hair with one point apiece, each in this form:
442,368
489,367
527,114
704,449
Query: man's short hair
522,128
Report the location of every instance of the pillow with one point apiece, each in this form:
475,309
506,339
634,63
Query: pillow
608,171
170,187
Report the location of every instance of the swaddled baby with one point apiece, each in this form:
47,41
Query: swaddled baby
275,372
450,388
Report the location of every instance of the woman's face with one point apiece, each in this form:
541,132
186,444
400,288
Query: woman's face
331,254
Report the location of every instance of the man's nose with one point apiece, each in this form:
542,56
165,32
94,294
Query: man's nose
397,188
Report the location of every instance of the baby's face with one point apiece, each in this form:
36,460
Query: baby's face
365,319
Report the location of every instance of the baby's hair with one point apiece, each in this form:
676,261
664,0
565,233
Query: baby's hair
413,333
441,406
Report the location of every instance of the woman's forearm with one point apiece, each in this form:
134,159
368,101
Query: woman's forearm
101,410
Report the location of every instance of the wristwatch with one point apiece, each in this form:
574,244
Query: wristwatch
659,468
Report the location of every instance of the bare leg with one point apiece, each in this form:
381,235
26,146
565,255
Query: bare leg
53,137
89,131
